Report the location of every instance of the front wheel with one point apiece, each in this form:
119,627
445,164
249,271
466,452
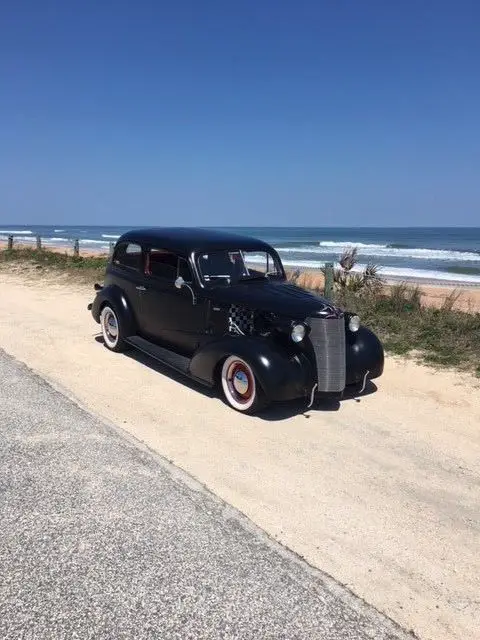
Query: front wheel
112,329
240,388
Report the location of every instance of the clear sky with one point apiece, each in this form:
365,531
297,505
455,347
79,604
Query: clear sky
254,112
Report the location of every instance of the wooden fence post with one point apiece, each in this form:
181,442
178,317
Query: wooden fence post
39,243
76,248
110,248
328,291
10,243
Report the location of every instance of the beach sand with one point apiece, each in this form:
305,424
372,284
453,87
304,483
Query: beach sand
381,492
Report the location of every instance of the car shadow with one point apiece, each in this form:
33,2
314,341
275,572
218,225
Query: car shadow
275,412
163,369
353,392
284,410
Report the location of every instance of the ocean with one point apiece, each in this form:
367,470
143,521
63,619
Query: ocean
449,255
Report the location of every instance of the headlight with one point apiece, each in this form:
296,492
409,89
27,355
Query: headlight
298,332
354,323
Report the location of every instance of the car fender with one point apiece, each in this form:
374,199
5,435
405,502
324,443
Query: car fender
117,298
282,376
364,352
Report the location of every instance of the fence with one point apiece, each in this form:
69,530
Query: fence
75,244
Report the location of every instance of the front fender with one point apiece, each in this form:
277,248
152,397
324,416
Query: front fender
364,352
282,376
116,297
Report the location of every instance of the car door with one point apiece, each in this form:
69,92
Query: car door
127,272
171,316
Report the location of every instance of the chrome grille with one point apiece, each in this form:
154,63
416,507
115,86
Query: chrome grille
328,339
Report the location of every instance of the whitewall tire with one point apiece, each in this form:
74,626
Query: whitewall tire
111,329
240,388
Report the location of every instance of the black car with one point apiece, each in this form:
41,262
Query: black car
218,308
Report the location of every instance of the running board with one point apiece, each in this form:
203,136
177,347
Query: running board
171,359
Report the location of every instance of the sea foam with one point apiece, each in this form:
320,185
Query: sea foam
395,272
380,250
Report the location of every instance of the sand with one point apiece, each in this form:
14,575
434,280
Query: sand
383,493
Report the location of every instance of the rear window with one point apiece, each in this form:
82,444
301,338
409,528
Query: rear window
128,255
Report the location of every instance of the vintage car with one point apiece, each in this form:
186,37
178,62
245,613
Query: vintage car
218,308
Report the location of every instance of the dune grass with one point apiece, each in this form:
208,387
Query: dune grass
440,337
83,268
444,336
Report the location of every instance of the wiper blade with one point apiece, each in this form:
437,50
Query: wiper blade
243,278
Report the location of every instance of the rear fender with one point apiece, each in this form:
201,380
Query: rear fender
114,296
282,376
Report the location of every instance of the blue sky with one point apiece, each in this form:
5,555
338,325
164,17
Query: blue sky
304,112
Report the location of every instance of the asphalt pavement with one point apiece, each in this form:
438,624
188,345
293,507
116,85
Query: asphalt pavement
101,538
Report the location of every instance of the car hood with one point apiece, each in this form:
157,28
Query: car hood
280,298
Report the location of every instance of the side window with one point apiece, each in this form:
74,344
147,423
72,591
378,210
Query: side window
128,255
162,264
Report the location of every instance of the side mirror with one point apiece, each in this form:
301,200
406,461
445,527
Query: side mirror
180,283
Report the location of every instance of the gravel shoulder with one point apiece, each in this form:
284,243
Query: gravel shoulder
101,539
383,493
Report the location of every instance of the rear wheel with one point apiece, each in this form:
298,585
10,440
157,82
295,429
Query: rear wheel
240,388
112,329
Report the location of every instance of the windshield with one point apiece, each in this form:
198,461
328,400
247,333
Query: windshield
237,265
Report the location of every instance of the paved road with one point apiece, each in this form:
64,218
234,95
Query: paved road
99,538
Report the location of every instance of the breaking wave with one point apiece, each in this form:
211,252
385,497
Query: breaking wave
383,250
46,241
397,273
342,245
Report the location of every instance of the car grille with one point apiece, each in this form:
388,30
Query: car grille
328,339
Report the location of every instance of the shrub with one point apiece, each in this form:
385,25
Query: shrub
345,279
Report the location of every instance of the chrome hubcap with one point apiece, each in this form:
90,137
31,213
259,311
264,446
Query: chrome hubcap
111,326
240,382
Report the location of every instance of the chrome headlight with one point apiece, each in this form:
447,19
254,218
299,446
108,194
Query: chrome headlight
298,332
354,323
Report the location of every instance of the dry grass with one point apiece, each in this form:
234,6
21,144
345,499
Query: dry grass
443,336
30,261
307,279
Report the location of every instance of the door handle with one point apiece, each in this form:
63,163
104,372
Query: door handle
140,288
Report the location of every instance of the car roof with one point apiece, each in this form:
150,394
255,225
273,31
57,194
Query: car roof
189,239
